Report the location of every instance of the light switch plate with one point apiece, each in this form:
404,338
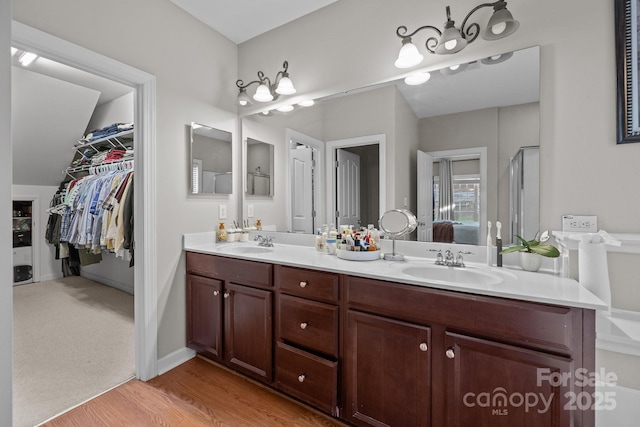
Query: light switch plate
222,211
580,223
250,211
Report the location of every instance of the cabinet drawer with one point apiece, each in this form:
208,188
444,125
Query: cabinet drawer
230,269
310,378
542,326
309,324
308,283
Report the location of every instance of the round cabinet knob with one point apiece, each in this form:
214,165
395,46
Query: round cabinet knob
216,293
450,353
303,284
226,295
424,346
303,325
302,377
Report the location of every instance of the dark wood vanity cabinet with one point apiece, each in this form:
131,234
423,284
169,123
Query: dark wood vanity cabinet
307,336
378,353
416,356
230,313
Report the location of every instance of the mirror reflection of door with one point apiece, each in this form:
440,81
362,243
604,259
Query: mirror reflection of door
302,188
347,188
425,197
468,224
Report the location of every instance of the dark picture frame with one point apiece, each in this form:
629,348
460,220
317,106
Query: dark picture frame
628,71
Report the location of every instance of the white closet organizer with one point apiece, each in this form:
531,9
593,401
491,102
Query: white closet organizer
121,140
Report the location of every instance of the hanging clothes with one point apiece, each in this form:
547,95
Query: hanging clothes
91,214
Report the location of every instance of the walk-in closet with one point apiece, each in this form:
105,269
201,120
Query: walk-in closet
73,247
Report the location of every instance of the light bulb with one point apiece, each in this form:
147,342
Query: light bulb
307,103
454,67
451,44
499,28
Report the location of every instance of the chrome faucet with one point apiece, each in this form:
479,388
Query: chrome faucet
448,258
265,241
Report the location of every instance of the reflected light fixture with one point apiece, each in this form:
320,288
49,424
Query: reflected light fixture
267,90
417,79
453,39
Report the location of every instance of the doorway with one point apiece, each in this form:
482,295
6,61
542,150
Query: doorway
372,192
32,40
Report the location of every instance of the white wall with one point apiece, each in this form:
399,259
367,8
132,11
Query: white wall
120,110
195,68
6,269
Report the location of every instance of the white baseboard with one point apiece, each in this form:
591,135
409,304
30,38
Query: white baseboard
106,281
174,359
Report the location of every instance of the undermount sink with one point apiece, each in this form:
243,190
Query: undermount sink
453,275
247,249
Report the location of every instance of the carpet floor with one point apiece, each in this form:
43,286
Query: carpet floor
73,339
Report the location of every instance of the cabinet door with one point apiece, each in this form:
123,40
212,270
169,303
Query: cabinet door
204,316
493,384
387,372
249,331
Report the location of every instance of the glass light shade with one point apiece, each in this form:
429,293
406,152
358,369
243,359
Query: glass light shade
243,98
263,94
306,103
417,79
501,24
453,69
285,108
451,40
408,56
285,86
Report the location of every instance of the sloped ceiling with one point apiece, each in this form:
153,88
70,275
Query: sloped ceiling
48,117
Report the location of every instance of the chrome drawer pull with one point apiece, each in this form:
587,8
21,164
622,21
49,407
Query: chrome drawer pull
424,346
450,353
302,377
303,325
303,284
215,293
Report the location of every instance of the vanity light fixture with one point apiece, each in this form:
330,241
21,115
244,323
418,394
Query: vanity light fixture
453,39
285,108
307,103
496,59
453,69
417,79
267,90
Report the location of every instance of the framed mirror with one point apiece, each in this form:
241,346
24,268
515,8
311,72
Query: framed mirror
490,102
211,161
259,166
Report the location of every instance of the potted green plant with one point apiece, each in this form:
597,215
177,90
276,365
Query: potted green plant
532,251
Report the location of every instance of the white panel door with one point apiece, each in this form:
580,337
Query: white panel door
347,188
302,189
425,197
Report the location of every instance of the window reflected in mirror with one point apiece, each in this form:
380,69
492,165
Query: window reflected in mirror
211,160
259,168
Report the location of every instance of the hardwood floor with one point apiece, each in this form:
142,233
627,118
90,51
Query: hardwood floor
196,393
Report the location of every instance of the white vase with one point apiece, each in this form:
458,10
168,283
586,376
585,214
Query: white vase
530,261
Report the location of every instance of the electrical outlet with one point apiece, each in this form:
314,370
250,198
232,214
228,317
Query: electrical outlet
583,223
249,211
222,211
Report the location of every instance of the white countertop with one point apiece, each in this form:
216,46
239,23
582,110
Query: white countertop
505,282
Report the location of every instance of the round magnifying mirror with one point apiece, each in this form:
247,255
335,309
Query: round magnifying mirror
396,223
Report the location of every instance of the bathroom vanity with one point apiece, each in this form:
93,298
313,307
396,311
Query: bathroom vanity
380,343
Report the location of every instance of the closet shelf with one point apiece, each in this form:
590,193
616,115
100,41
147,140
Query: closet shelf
117,140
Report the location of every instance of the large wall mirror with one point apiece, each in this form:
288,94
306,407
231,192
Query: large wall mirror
489,107
211,161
